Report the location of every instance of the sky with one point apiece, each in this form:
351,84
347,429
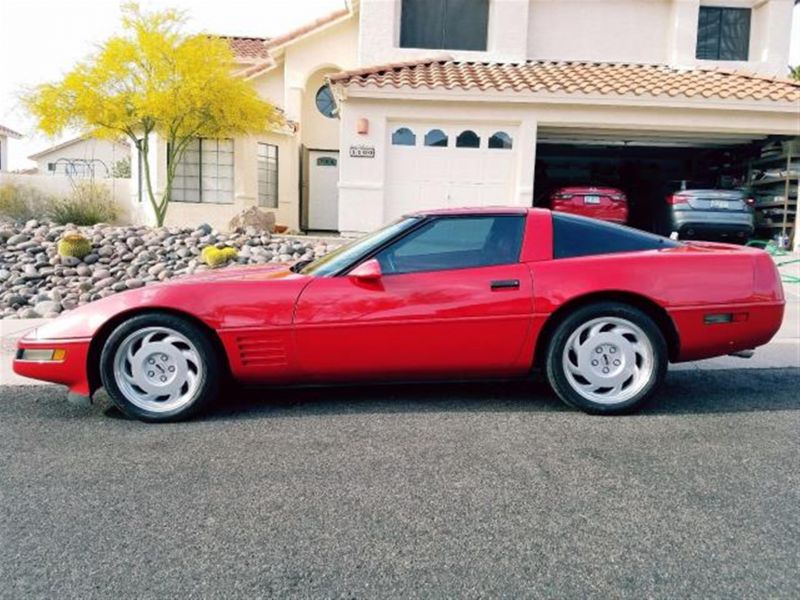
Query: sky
40,40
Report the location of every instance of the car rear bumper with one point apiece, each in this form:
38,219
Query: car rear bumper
714,222
71,371
751,326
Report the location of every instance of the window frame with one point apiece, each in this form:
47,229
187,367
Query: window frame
442,43
721,11
325,88
258,173
430,220
199,175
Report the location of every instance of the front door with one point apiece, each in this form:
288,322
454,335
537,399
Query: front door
323,190
453,301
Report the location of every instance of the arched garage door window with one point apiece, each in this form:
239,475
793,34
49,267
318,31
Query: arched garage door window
468,139
404,137
501,140
436,138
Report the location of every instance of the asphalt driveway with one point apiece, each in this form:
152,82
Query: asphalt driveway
423,491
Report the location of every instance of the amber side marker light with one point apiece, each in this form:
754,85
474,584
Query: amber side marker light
42,354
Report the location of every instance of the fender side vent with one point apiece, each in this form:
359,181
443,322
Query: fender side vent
260,350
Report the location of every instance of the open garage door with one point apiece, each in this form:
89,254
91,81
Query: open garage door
646,165
436,165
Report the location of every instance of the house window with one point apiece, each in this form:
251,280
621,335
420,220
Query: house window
723,33
437,138
267,175
404,137
468,139
444,24
325,102
205,173
501,140
51,167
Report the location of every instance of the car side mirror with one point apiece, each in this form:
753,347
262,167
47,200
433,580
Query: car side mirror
369,270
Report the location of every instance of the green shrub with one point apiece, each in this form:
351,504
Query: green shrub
90,203
215,257
74,244
21,202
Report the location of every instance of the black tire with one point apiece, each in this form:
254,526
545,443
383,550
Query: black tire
205,365
567,385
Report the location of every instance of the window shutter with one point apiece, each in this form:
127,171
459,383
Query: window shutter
422,24
735,34
465,24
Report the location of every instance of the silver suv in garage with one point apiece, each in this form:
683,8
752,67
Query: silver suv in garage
709,214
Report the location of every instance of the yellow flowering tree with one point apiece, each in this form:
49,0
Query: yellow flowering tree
154,79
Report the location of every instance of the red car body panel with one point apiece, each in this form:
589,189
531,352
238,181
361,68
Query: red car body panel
612,204
277,326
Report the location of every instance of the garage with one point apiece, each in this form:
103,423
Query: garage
646,166
439,164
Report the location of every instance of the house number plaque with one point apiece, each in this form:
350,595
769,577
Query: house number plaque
362,151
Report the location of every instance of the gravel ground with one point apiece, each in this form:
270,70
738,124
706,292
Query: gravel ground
420,491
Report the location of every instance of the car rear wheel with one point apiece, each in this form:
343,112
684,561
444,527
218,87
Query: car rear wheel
159,367
606,358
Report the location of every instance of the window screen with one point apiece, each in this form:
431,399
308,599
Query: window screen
444,24
267,175
579,236
205,172
723,33
456,243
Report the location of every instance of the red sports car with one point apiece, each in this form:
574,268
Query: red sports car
473,293
606,203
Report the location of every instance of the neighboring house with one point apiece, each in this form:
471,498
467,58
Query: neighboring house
82,157
5,134
398,105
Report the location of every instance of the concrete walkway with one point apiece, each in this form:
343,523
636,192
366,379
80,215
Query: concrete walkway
782,352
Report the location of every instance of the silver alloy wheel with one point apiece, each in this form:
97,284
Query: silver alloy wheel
158,369
608,360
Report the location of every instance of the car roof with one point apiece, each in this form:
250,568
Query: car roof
477,210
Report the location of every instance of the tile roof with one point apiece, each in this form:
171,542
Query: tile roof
247,48
307,28
574,77
9,132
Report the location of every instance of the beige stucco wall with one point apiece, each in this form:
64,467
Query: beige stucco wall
3,153
106,151
639,31
361,184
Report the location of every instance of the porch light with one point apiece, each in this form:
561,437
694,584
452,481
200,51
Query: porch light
362,126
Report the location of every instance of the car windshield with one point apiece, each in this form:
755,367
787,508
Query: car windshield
335,261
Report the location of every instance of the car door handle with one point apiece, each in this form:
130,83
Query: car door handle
505,284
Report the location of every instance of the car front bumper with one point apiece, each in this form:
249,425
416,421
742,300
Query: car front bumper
71,370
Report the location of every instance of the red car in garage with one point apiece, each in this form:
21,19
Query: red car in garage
456,294
605,203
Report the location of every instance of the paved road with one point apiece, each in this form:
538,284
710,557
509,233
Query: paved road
426,491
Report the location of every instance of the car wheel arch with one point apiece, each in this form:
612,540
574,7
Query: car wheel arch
104,331
643,303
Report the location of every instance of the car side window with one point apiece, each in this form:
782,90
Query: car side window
455,243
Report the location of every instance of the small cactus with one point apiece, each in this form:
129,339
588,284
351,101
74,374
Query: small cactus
215,257
75,245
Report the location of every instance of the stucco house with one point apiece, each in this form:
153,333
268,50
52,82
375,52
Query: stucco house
397,105
5,134
81,157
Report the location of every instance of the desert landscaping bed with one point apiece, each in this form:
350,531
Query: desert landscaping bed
35,281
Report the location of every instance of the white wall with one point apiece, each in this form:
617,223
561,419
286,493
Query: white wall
3,153
105,151
61,186
379,40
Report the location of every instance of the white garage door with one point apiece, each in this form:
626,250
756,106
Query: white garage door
436,165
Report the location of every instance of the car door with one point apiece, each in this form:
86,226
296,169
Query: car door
453,300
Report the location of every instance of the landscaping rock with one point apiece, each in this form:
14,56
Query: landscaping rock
36,282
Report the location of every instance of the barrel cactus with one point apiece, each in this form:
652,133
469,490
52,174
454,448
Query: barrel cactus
215,257
74,245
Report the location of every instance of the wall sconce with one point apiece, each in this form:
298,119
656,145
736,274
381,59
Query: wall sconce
362,126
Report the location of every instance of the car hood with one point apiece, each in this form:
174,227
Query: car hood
252,296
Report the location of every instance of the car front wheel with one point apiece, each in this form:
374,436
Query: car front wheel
159,367
606,358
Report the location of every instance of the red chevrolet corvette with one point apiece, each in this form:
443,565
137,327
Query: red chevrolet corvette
473,293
